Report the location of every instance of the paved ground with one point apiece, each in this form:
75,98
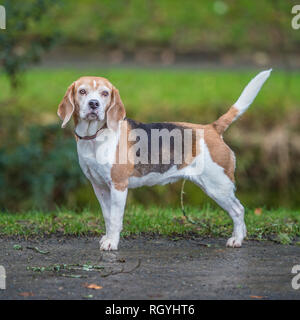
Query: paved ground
183,269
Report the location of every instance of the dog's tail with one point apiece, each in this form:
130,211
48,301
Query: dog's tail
243,102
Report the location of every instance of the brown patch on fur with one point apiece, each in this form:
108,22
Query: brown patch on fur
116,110
123,167
225,120
219,151
67,105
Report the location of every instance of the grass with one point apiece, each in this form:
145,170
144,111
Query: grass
279,225
159,94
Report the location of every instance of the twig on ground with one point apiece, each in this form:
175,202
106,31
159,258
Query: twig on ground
73,275
112,273
182,205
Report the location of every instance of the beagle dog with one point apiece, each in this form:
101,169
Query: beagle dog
117,153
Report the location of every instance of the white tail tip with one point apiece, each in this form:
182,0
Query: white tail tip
251,91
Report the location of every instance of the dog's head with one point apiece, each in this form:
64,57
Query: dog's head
92,98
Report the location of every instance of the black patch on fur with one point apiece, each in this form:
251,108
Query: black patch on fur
144,169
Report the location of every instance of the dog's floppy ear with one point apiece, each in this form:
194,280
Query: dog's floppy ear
116,111
67,106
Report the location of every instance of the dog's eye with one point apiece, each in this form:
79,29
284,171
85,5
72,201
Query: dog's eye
105,93
82,92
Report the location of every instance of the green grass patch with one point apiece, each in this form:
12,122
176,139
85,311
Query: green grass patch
280,225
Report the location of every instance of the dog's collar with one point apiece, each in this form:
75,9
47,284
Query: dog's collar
89,137
94,135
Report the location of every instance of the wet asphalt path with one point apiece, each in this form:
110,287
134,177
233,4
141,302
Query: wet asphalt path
150,268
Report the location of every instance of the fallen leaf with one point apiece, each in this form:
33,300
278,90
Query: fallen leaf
18,247
92,286
36,249
258,211
257,297
26,294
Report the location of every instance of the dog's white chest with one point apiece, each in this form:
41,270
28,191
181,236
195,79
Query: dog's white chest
96,157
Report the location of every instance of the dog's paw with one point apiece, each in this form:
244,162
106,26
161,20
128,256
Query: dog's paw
108,244
234,242
103,239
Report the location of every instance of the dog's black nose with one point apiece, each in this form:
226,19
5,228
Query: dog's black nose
94,104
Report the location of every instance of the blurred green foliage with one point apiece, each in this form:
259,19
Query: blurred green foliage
183,26
210,26
40,170
29,32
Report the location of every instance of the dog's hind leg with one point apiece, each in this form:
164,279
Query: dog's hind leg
221,189
236,211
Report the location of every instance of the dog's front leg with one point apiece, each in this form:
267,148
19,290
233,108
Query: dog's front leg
103,196
114,227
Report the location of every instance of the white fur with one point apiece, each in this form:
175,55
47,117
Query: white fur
155,178
97,156
115,222
250,92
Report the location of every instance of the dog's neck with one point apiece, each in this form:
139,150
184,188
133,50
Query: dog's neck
88,128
